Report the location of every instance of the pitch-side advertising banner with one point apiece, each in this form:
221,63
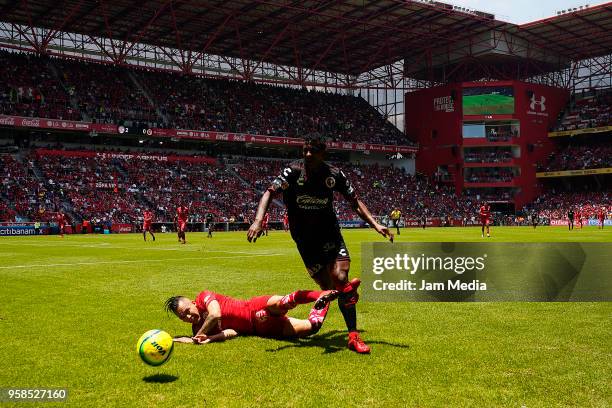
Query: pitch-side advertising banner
486,272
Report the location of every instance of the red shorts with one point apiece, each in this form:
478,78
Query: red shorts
265,324
182,225
485,221
146,227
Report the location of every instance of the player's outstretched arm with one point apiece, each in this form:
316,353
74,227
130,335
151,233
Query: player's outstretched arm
255,230
226,334
212,320
365,215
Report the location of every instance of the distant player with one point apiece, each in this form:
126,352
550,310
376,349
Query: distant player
423,219
601,217
210,224
396,215
308,188
60,218
147,221
579,217
570,219
182,213
215,317
534,219
265,224
485,218
286,222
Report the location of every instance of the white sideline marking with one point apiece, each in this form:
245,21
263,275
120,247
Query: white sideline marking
132,261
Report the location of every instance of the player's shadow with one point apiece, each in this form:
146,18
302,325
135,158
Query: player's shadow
160,378
331,342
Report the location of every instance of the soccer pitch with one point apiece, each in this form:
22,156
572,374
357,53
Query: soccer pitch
73,309
487,104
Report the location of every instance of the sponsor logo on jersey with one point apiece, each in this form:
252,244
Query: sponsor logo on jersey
330,182
311,203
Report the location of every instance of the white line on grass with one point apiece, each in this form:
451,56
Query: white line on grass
133,261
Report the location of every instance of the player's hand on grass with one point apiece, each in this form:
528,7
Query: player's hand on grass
254,232
201,339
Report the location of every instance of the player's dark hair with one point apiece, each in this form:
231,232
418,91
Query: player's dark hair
171,304
315,139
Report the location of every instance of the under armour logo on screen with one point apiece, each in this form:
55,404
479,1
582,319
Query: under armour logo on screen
535,102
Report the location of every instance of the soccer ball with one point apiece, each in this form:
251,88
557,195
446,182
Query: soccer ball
155,347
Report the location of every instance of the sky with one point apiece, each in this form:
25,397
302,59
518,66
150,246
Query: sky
521,11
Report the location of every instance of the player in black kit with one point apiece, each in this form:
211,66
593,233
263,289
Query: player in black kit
570,219
210,224
308,191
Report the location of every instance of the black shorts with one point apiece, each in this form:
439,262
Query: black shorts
320,252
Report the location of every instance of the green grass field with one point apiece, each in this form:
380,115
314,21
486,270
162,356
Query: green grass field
488,104
72,310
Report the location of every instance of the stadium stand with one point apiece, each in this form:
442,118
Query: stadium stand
555,205
29,88
41,87
589,109
579,156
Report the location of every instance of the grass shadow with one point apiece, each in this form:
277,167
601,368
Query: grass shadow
160,378
331,342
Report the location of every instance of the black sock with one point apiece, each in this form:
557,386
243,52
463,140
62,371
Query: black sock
348,312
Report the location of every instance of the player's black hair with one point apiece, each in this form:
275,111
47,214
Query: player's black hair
171,304
315,139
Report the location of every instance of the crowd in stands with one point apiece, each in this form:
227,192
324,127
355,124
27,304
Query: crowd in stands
555,205
28,87
578,157
588,110
105,93
489,175
57,88
488,155
28,197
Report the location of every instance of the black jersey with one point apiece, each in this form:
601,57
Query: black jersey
209,218
309,199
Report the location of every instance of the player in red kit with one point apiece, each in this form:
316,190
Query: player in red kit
485,218
286,222
182,212
601,216
147,224
60,218
264,224
579,217
215,317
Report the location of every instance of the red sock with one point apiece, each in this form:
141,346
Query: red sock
299,297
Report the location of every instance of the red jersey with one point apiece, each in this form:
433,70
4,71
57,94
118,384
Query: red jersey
485,211
182,213
235,314
600,215
148,217
61,219
285,219
266,219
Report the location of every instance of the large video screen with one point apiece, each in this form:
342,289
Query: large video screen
490,100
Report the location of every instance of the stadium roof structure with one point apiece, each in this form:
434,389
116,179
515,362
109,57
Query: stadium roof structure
435,41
